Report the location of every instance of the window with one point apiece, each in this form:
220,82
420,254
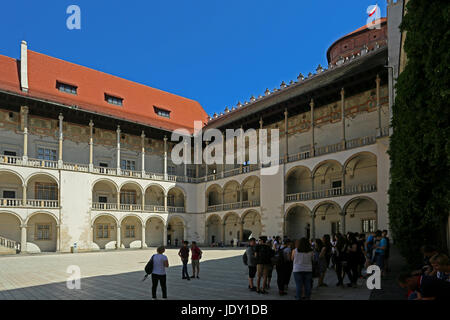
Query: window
46,154
162,113
102,199
46,191
103,165
130,231
190,172
9,153
128,164
113,100
171,200
102,231
9,194
67,88
128,197
368,225
335,227
43,232
171,170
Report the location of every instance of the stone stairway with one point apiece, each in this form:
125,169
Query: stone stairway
8,246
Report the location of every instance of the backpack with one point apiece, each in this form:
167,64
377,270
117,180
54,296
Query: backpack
278,258
149,267
245,258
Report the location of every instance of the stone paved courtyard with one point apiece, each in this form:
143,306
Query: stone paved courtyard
118,275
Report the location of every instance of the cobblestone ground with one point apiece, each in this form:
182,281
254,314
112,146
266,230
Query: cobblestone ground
118,275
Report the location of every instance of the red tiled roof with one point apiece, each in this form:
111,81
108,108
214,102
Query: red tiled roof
138,100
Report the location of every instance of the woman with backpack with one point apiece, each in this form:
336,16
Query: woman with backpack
302,257
160,263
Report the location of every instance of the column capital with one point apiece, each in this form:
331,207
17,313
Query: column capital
91,123
143,134
285,112
165,138
118,129
378,79
24,226
342,91
61,117
311,103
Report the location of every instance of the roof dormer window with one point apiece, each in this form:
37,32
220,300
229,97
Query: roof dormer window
67,88
162,113
113,100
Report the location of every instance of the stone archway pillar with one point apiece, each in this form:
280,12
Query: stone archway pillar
23,238
313,226
143,244
118,239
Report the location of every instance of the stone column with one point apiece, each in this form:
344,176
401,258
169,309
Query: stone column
165,234
91,146
24,111
185,232
119,239
23,238
206,165
165,202
313,226
118,151
143,153
342,214
380,129
343,117
24,194
241,232
60,157
286,151
165,158
185,203
260,128
312,127
118,200
58,238
185,160
223,233
143,244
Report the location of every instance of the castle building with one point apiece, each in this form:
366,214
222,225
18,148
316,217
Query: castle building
85,156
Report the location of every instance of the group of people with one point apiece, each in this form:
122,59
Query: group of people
307,259
430,280
161,262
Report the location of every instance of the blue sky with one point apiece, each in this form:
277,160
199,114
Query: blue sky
214,51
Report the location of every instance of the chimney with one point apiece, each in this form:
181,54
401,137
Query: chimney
24,66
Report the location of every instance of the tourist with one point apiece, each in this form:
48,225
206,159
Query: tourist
369,248
184,255
386,251
288,264
196,255
427,252
321,251
340,258
160,263
441,267
280,266
380,249
263,254
361,239
302,257
251,263
422,287
352,257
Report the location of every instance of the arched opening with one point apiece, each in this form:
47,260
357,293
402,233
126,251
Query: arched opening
42,191
213,230
231,192
298,223
154,199
299,181
130,197
361,173
11,190
42,233
214,196
251,225
131,232
251,192
361,215
328,219
175,231
105,232
232,228
10,227
175,200
104,195
154,232
328,179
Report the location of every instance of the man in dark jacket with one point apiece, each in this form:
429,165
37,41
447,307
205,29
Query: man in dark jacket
263,254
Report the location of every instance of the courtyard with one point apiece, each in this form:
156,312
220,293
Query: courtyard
118,275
